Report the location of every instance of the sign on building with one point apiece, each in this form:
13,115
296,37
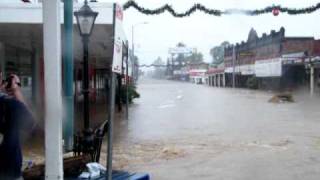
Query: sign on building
182,50
268,68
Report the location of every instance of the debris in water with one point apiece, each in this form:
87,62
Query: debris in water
171,153
279,145
281,98
282,143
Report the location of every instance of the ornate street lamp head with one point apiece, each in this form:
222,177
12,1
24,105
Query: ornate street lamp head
85,19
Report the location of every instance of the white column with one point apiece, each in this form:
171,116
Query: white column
224,79
218,76
207,80
311,80
215,80
53,98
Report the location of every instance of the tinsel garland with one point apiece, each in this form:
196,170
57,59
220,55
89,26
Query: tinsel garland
215,12
151,65
168,8
165,65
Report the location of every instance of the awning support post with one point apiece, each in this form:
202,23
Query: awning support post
112,93
311,80
68,75
53,98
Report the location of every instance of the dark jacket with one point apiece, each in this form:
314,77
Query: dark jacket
14,115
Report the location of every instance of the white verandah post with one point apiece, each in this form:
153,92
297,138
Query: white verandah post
215,80
311,80
53,97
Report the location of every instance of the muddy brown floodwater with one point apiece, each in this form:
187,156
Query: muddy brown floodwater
183,131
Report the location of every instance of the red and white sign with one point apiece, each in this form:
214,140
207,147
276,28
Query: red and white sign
197,72
118,39
119,13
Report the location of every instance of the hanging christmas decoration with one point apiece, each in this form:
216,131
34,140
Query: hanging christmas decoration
215,12
275,11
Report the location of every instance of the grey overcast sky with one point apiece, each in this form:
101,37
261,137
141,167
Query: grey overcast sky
204,31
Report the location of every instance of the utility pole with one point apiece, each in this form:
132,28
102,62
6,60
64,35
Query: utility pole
127,81
172,64
132,43
133,58
233,67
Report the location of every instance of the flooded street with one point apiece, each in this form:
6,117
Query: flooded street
180,130
214,90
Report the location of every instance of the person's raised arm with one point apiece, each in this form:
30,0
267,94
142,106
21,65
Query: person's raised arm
15,88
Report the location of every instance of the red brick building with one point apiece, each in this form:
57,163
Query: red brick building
276,61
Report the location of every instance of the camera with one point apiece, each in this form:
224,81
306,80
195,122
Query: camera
9,82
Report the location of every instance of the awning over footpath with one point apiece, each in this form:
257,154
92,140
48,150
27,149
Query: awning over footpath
21,27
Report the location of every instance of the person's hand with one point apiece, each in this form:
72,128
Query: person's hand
14,90
15,85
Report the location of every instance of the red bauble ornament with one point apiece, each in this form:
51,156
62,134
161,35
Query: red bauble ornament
275,11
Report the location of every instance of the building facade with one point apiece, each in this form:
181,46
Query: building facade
274,61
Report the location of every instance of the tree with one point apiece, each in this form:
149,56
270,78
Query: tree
195,58
136,68
159,68
185,57
181,44
158,61
217,53
181,57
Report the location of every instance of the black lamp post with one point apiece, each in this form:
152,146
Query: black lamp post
85,20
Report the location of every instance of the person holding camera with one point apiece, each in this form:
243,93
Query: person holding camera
14,114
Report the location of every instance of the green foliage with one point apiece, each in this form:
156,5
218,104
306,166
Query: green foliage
159,69
159,61
132,93
217,53
194,58
181,44
252,82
